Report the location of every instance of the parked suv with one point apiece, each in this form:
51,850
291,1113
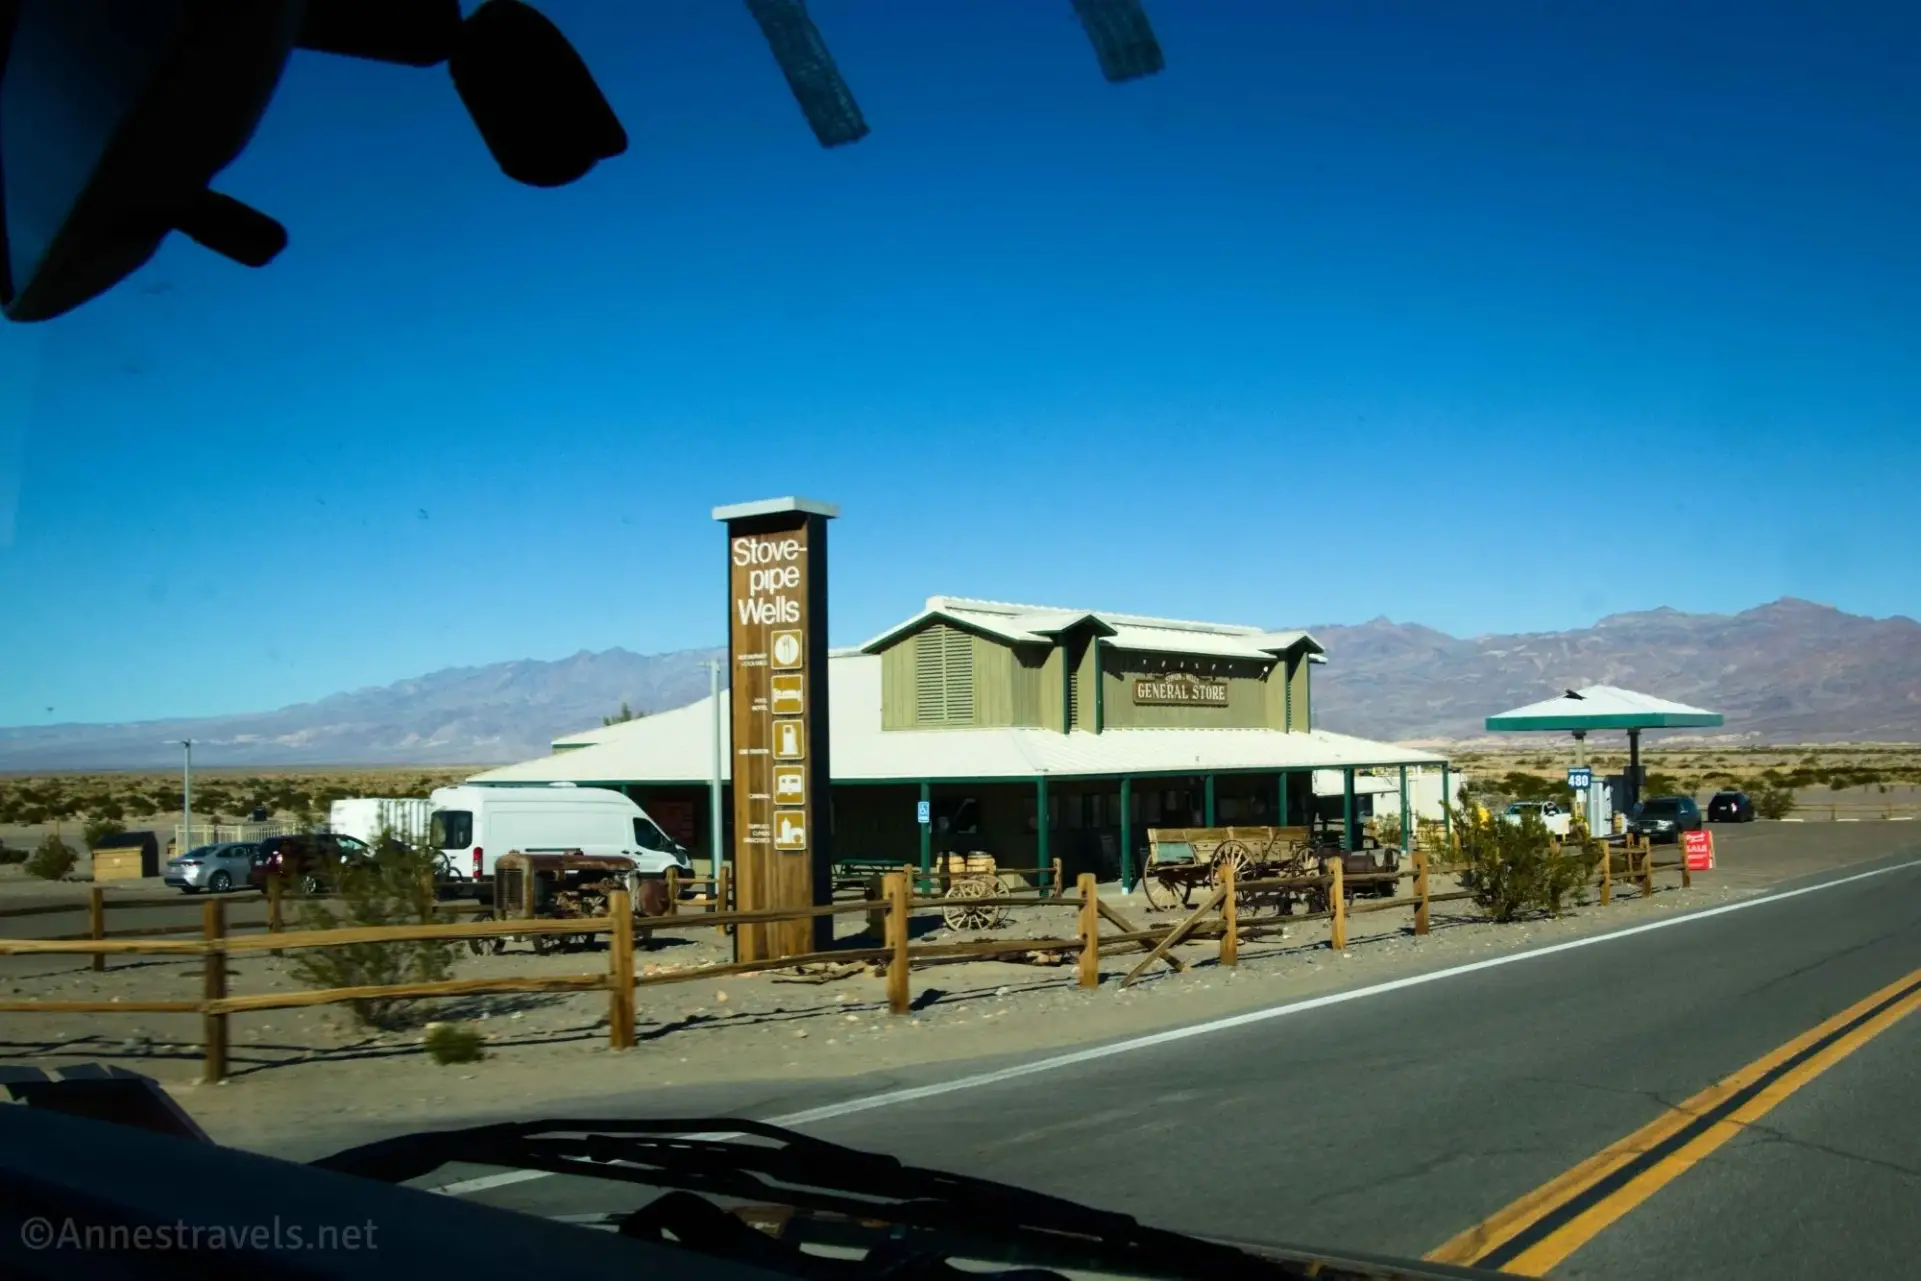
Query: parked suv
1730,807
302,861
1662,819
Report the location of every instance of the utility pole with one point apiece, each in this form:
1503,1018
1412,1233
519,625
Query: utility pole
713,784
186,801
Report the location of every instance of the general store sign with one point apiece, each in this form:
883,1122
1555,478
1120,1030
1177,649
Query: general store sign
1179,689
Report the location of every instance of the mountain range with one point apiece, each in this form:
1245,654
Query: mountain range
1789,671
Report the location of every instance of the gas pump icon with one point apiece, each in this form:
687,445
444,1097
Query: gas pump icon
788,744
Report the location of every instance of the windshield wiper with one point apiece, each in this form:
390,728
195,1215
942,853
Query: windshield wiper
751,1161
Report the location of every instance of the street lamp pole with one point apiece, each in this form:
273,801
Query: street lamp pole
713,779
186,800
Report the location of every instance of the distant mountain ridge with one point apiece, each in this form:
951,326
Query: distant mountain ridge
457,716
1788,671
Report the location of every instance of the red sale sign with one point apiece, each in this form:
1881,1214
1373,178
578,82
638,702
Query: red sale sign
1698,849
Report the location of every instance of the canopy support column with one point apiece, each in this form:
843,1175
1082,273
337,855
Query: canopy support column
1347,810
1127,834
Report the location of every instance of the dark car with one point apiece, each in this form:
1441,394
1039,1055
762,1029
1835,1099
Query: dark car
1662,819
1730,807
303,861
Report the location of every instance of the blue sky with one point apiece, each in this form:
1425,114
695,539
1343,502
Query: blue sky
1491,316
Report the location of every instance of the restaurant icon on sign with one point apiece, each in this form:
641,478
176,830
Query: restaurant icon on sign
787,649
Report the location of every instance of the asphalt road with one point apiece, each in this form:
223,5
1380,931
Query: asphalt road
1395,1120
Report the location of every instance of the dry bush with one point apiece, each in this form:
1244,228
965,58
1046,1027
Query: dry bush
395,887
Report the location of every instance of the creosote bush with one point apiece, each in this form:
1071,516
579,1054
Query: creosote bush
1515,869
394,887
53,859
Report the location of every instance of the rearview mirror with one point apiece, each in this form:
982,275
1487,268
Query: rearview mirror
116,115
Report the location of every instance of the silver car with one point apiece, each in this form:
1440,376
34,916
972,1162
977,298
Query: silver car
218,868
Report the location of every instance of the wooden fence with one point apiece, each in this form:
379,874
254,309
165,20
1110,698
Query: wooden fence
1217,917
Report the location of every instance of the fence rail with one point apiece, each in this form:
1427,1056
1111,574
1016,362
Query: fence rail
1218,917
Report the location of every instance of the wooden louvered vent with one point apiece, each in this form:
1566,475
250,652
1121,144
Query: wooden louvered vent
944,676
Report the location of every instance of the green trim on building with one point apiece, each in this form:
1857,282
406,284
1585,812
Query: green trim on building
1622,720
1040,829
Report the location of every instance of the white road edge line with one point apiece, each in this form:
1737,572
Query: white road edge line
913,1093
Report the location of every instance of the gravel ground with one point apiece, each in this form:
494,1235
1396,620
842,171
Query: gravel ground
316,1063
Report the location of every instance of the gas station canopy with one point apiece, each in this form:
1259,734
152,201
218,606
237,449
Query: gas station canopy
1603,707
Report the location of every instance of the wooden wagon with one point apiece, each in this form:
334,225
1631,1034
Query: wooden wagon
564,885
1183,860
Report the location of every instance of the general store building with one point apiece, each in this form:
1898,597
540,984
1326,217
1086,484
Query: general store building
1032,733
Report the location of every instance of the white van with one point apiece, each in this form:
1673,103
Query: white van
476,825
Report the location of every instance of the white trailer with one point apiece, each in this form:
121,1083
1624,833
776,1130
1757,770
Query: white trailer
366,817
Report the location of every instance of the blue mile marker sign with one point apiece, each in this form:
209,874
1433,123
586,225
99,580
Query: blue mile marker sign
1580,777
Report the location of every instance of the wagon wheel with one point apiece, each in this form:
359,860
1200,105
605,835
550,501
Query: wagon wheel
964,916
1245,869
1165,888
493,946
548,944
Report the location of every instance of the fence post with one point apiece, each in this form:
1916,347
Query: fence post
1060,888
1337,939
97,923
673,891
274,923
620,972
1607,873
897,899
214,1026
1090,967
1420,891
1647,870
1230,918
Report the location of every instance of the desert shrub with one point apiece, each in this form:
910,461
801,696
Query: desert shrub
453,1043
1515,869
395,887
1387,829
100,829
53,859
1772,802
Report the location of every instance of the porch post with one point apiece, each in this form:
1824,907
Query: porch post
1404,818
1207,802
1280,799
1040,829
926,836
1347,809
1127,833
1447,807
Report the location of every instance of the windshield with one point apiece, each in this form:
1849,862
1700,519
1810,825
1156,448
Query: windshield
986,565
649,837
451,829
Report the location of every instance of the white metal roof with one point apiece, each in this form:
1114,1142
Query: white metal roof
1039,624
1603,707
676,746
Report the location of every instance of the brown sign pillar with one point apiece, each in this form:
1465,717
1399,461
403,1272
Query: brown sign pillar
777,660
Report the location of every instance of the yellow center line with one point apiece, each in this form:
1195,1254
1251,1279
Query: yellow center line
1540,1229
